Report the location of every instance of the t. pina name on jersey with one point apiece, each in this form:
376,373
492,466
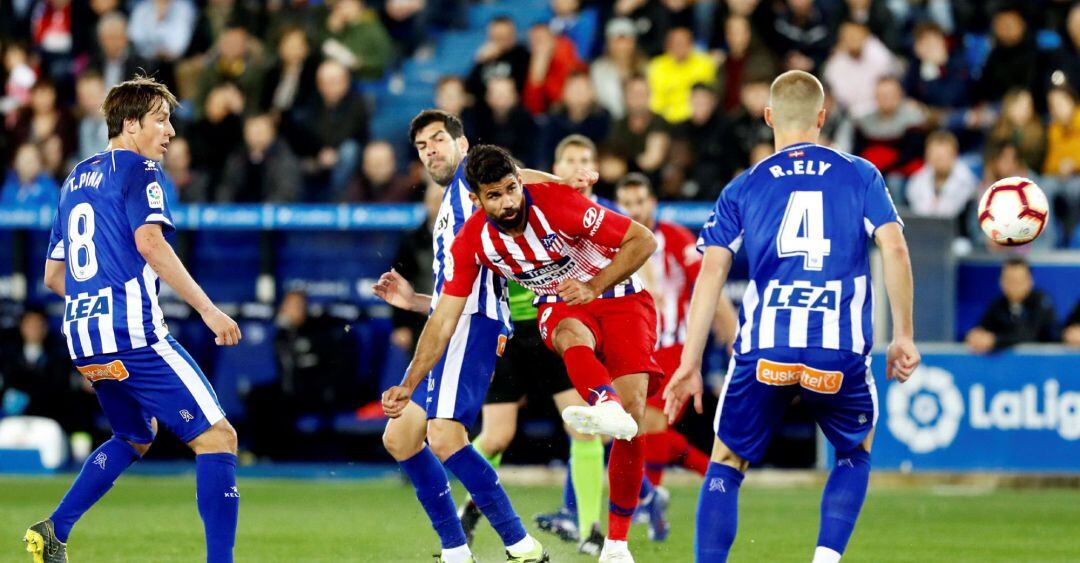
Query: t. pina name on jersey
801,167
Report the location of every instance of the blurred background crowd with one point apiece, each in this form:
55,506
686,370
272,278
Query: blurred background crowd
297,101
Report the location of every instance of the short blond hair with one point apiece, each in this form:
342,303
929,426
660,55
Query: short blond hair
796,99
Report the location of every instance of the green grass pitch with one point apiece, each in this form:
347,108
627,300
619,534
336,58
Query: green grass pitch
154,519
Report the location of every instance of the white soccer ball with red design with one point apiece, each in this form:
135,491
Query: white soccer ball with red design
1013,211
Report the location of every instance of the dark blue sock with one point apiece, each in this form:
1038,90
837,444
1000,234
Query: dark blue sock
482,482
646,489
569,497
843,498
433,491
97,476
718,513
219,503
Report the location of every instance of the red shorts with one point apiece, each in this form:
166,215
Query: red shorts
668,358
624,329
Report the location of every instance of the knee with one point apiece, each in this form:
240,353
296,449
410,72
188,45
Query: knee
445,445
226,437
398,444
220,438
140,449
634,403
496,440
569,334
723,455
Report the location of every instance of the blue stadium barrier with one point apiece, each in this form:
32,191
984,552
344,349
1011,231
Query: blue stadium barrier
1013,411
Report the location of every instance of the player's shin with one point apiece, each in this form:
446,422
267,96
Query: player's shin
589,376
717,514
433,491
587,474
219,503
841,502
482,482
626,469
97,476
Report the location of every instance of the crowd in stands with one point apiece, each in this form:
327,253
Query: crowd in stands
943,96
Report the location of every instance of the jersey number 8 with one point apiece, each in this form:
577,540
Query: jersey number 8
802,232
81,252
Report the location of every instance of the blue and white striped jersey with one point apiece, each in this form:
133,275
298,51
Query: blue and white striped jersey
489,293
111,300
804,216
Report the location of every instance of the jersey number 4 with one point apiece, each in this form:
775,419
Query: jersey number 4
802,232
81,252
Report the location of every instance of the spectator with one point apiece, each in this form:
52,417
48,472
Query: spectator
1071,335
708,139
189,184
233,61
450,95
748,122
504,122
891,137
802,33
51,32
379,179
876,16
501,56
578,113
641,138
115,60
1012,61
856,66
35,365
573,153
552,59
944,185
673,74
161,31
27,183
653,19
936,77
413,261
332,131
308,15
404,23
357,39
290,80
264,170
1060,171
745,59
20,79
1064,63
576,24
621,60
54,158
93,133
1022,313
1020,124
44,118
838,131
219,131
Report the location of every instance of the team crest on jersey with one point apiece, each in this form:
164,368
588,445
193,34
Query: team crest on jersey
552,243
97,372
155,196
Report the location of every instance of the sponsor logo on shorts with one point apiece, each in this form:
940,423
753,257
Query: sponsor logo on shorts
97,372
186,415
813,379
501,347
100,459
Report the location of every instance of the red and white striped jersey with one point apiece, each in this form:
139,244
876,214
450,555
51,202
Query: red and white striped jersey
669,276
566,237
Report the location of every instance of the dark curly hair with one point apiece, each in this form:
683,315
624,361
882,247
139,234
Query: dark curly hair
488,164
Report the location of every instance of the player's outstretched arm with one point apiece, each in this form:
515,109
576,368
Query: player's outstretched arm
55,274
581,179
707,293
432,344
902,357
159,254
398,292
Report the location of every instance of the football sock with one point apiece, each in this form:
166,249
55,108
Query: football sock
843,498
433,491
718,513
684,453
569,492
587,477
219,503
95,479
589,376
625,471
657,456
482,482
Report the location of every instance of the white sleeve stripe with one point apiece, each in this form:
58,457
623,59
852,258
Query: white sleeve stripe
58,252
158,218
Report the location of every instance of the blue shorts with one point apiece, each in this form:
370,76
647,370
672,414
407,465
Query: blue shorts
457,385
158,381
835,385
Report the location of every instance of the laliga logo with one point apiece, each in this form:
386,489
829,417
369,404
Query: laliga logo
925,412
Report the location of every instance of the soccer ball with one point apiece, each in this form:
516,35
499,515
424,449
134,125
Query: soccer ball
1013,211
